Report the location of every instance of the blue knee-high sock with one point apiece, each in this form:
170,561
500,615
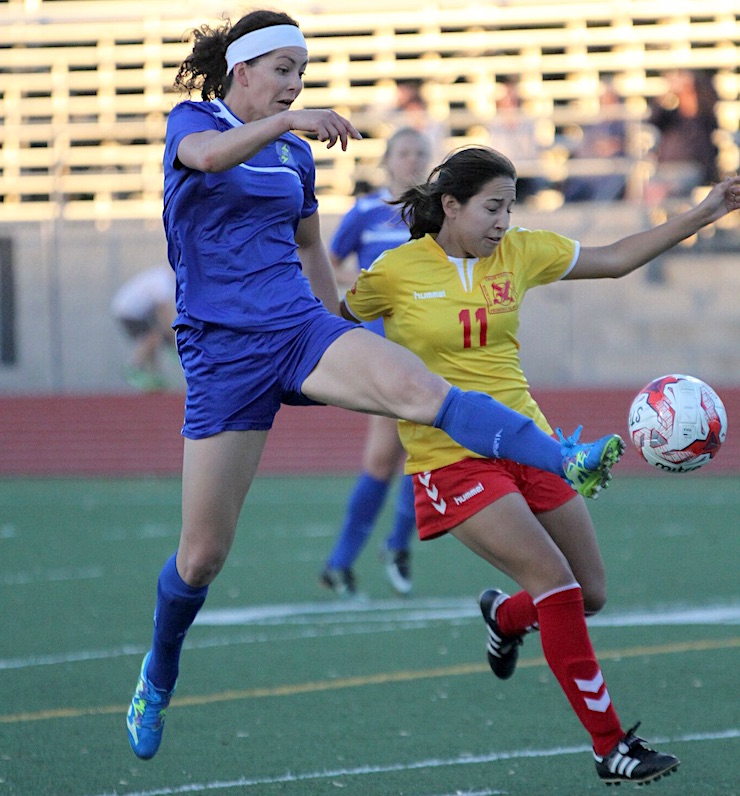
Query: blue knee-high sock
364,505
404,520
177,606
485,426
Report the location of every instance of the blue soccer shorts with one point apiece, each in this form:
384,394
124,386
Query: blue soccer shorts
236,380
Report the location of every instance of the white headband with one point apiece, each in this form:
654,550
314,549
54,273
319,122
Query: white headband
261,41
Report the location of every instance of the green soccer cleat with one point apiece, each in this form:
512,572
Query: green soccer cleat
145,718
587,465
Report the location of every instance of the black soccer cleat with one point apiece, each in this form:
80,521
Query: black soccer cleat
503,651
340,581
398,569
632,761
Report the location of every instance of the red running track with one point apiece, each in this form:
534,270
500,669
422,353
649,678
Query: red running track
139,434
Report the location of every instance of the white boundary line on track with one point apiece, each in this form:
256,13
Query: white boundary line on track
494,757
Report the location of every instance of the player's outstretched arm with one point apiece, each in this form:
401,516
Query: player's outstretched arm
628,254
214,151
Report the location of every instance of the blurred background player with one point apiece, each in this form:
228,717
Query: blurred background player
144,306
370,227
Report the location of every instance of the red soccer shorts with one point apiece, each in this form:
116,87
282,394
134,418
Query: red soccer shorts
445,497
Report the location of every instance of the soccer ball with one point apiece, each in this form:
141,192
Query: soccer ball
677,423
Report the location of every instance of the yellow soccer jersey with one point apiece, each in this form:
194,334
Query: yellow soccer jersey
461,316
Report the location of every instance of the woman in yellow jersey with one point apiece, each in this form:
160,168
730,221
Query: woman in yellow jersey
452,295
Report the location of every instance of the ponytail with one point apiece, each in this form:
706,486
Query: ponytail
205,68
421,210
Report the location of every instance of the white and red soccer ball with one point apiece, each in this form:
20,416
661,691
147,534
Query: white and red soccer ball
677,423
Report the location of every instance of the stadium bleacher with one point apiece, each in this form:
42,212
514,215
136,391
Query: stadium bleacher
85,89
86,86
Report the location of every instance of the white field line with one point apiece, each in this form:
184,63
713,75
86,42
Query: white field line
441,609
369,770
276,623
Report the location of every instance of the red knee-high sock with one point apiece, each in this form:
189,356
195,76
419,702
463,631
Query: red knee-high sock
517,615
571,657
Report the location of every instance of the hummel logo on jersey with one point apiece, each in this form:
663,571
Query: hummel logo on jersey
284,152
429,294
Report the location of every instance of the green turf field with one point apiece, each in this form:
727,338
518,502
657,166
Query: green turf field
285,689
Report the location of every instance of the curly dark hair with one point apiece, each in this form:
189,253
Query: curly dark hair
204,69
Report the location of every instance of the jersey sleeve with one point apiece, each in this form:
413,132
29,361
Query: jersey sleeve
371,296
549,257
184,119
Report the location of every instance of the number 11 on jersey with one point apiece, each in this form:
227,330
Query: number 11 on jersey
467,324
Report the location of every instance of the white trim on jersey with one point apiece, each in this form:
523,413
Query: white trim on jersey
225,114
386,233
270,169
465,267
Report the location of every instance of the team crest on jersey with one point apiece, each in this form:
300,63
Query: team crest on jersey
500,293
283,152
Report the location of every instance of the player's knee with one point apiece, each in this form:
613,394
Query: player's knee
594,599
200,567
381,468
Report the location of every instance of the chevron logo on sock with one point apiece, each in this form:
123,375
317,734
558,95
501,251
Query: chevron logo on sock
593,686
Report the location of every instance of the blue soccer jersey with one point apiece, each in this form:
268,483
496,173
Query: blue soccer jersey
231,235
370,227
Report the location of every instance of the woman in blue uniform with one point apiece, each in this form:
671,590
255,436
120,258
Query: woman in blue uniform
371,227
244,240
